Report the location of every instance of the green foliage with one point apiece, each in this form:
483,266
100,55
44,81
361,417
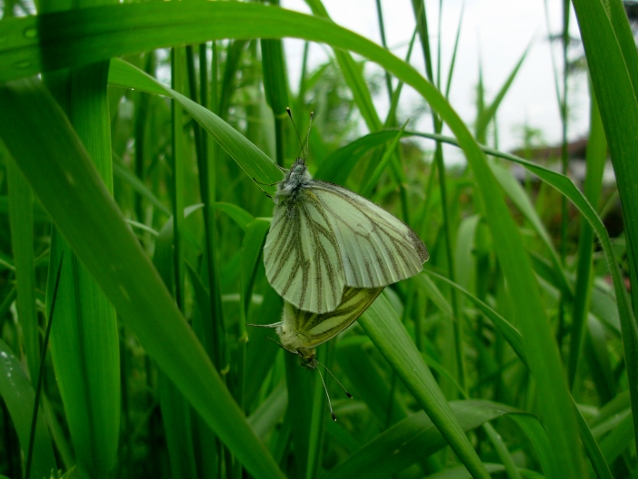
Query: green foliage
511,348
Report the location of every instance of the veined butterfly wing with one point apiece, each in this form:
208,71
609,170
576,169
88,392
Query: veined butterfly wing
300,332
302,254
303,331
324,237
376,248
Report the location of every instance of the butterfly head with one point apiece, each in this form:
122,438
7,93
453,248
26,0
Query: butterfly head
297,178
307,358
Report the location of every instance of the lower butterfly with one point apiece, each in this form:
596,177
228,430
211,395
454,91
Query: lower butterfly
300,332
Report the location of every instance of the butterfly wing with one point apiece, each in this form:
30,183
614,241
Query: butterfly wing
302,255
376,248
302,330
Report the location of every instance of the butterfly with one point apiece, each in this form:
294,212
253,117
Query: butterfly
324,237
300,332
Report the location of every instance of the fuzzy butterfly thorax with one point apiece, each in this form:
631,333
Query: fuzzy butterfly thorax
297,178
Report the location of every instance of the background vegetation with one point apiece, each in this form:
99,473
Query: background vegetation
131,257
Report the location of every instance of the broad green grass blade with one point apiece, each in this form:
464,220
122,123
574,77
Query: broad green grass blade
84,336
18,396
90,221
412,439
384,328
613,65
21,220
177,422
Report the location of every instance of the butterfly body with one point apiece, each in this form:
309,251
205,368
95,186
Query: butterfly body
300,332
324,237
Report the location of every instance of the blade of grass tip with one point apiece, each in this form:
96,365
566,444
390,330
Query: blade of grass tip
613,66
373,179
391,118
353,76
388,79
489,112
38,390
450,73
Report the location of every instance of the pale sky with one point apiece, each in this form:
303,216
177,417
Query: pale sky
496,32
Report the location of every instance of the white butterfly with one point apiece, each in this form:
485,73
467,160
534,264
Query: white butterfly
324,237
300,332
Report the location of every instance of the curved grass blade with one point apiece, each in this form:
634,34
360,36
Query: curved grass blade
386,331
70,188
412,439
612,61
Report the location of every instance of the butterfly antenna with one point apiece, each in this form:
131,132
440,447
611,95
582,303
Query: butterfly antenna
335,378
274,325
312,115
304,147
332,413
295,126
